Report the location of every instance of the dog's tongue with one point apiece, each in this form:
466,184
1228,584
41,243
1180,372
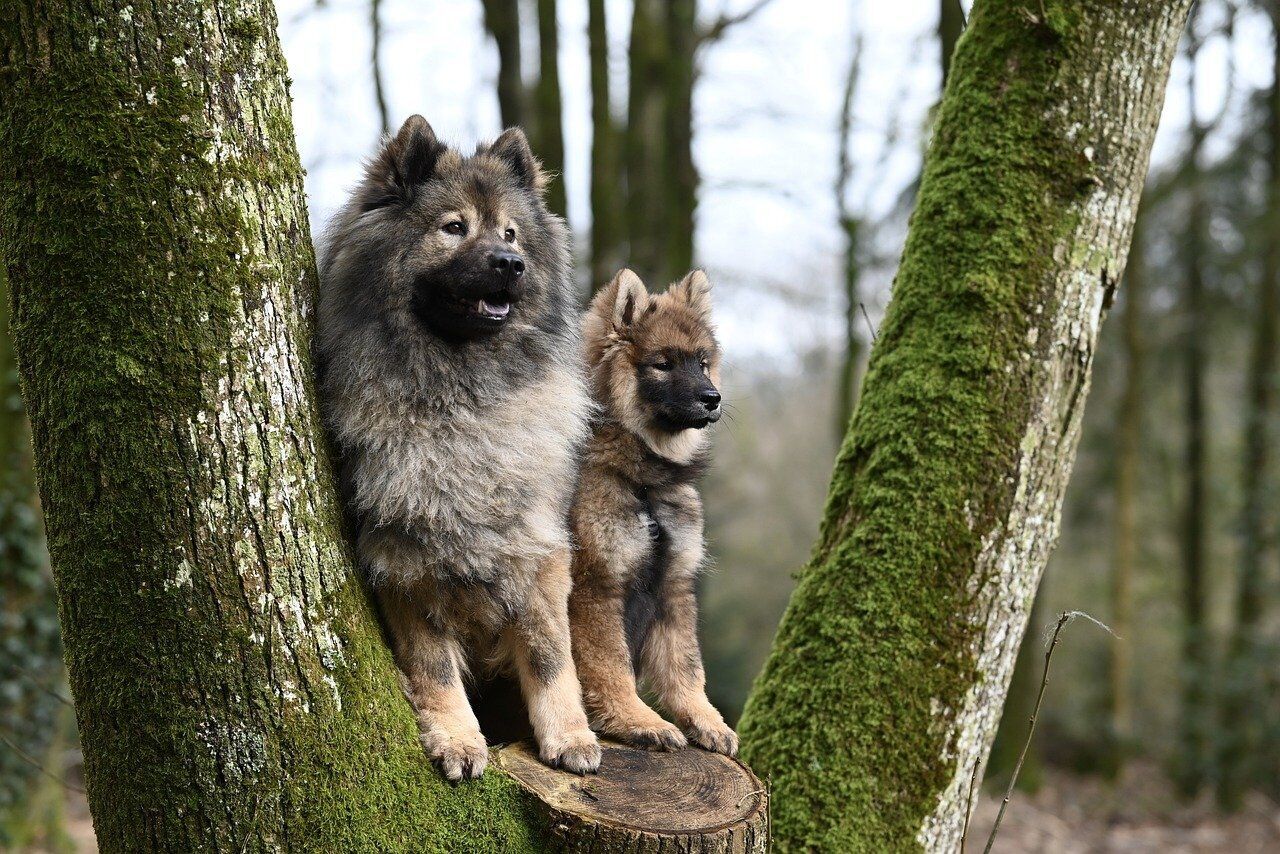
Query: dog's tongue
497,312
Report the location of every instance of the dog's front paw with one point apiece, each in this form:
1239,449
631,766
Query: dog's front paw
459,757
660,736
712,734
577,752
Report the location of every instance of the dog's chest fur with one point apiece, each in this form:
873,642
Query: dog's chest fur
481,489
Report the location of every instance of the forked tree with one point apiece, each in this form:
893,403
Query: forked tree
232,686
881,697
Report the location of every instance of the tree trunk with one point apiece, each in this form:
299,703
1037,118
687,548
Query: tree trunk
607,188
547,111
890,666
681,182
1244,709
1192,772
232,686
31,671
375,65
950,28
502,20
1128,458
851,357
1019,706
648,166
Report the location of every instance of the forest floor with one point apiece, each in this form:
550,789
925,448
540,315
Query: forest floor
1068,815
1140,815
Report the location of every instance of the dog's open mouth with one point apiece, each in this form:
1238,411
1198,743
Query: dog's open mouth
494,308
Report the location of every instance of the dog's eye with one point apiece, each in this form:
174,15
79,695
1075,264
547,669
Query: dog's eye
509,235
706,366
663,364
457,227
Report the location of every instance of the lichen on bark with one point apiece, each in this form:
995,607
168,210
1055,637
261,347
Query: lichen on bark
231,683
890,666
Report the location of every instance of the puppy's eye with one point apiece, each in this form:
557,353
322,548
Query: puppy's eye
509,235
457,227
663,364
706,366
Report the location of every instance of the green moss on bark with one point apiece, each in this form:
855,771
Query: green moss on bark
232,687
946,491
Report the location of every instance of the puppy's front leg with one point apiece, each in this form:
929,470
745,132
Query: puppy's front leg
540,638
672,663
604,665
429,661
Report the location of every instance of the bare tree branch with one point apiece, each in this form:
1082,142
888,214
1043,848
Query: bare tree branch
726,22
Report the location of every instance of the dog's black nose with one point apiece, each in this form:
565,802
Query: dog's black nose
710,398
509,265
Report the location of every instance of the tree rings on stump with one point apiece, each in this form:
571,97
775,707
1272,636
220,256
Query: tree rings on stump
647,801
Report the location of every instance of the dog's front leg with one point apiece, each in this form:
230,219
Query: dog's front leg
428,658
548,680
672,663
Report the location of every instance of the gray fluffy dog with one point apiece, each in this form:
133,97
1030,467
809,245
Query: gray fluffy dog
451,379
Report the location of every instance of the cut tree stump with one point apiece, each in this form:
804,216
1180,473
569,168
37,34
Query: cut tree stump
647,801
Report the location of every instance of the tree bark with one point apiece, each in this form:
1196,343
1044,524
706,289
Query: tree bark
1192,771
547,119
890,666
232,687
502,20
1245,701
607,184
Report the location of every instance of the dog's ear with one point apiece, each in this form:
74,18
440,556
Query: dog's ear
405,161
512,148
695,291
621,301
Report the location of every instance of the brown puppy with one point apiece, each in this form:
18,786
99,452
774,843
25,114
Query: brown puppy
654,368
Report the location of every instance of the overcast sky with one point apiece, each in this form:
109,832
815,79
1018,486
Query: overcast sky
766,110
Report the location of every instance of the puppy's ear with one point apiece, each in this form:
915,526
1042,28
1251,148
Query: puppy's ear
694,290
512,148
405,161
621,301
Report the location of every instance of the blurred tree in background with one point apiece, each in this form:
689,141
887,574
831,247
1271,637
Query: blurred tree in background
32,711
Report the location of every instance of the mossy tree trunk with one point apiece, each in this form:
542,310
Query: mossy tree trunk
950,28
888,673
232,687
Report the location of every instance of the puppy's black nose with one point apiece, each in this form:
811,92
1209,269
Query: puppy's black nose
710,398
508,265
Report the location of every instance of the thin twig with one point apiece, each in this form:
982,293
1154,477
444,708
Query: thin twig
867,317
749,794
36,765
968,802
1063,618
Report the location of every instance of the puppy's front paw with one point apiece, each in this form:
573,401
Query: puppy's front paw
712,734
459,757
661,736
577,752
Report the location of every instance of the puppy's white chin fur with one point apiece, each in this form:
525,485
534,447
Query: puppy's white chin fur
678,447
